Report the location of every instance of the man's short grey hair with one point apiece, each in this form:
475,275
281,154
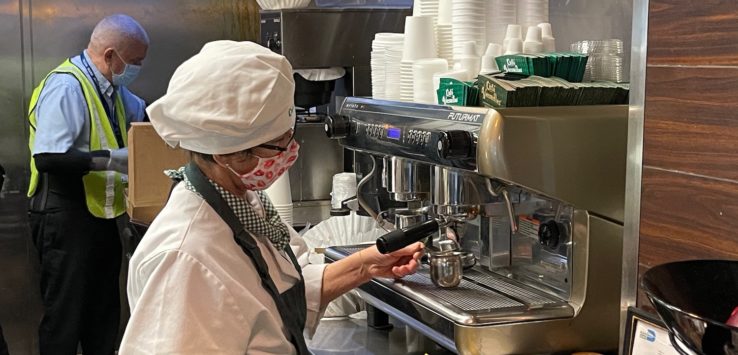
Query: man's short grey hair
116,31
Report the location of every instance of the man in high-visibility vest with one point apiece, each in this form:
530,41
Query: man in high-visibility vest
79,115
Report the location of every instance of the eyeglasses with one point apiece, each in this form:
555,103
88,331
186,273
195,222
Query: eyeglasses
278,148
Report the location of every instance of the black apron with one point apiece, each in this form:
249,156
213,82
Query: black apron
291,304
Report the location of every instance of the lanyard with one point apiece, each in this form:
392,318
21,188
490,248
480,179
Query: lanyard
108,111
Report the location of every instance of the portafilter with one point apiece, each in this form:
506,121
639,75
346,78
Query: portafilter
403,237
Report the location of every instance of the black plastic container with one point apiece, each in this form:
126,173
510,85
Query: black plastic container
312,93
695,299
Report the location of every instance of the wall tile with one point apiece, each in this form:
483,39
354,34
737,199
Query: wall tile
691,120
693,32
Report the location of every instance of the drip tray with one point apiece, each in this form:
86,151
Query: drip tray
482,298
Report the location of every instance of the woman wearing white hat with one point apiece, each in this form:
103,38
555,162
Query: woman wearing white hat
218,272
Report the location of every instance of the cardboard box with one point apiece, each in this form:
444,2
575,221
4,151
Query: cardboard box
143,215
148,157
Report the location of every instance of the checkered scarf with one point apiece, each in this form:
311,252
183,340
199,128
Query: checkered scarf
270,226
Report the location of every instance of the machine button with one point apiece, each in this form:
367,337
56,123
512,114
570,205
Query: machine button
456,145
337,126
549,234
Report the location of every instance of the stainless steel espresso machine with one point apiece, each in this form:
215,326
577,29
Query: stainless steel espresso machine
318,38
535,195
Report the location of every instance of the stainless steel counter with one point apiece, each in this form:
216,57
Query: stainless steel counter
353,336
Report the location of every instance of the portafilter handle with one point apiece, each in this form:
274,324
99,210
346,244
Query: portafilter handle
401,238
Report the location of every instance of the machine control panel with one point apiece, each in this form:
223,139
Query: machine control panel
413,137
434,134
376,131
418,137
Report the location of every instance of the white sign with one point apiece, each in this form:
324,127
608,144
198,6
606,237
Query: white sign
651,340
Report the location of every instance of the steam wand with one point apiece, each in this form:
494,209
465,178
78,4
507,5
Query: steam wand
377,217
498,190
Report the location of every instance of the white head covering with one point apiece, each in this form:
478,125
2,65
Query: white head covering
229,97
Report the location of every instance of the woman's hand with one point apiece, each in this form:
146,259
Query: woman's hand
358,268
397,264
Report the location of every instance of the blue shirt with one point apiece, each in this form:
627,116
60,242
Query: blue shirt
62,116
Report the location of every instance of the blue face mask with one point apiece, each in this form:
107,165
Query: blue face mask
129,74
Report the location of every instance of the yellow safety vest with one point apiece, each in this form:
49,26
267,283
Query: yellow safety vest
103,189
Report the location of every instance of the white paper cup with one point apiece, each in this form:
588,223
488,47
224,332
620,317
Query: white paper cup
532,47
549,44
471,63
444,12
280,192
489,64
514,46
546,30
513,31
533,34
420,38
424,90
494,50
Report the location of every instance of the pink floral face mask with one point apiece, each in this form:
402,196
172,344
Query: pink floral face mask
268,170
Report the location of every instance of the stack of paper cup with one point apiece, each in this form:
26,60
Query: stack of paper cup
469,60
426,8
532,12
420,43
406,80
533,42
549,42
420,38
469,24
444,32
378,75
393,57
423,70
500,13
513,42
281,196
489,64
378,62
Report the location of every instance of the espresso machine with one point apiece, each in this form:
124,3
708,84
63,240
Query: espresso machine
318,38
535,197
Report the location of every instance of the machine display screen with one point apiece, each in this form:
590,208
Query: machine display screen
394,133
